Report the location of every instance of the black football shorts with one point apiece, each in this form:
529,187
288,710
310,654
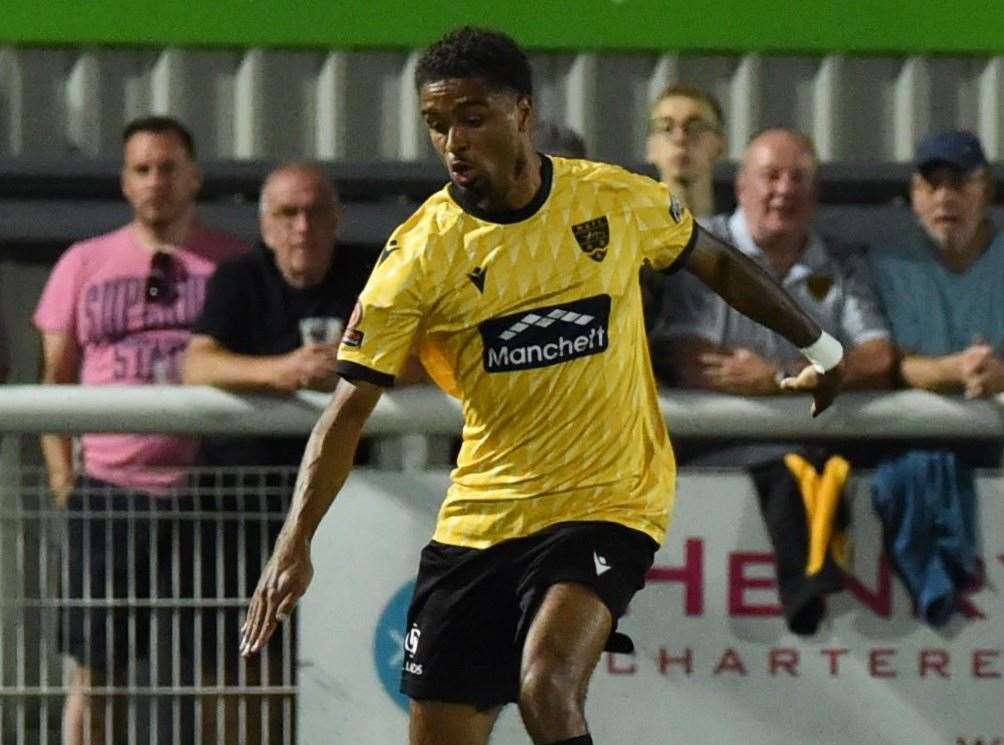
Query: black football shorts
472,608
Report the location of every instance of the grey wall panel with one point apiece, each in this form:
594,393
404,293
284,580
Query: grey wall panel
358,105
866,113
33,101
954,96
787,90
371,105
622,95
551,75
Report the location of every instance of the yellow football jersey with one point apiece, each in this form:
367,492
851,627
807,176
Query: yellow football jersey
533,320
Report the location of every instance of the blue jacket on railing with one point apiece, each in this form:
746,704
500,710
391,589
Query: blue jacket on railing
926,501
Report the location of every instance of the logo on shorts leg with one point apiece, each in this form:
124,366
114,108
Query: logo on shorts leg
388,643
411,641
600,562
411,648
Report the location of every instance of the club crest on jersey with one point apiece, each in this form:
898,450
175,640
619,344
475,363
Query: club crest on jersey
593,237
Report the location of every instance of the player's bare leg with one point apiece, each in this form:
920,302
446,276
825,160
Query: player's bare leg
439,723
564,643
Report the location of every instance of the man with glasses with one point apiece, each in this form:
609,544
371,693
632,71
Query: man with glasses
685,141
942,285
117,310
271,323
701,342
256,330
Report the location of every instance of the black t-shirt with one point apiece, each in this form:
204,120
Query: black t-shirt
251,309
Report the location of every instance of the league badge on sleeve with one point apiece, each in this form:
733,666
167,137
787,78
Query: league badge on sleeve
675,209
353,336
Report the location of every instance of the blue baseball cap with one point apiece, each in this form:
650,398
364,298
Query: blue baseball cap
959,148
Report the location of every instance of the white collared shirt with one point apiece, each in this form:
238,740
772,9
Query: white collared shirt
835,292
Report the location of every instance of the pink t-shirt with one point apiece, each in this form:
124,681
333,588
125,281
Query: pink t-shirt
97,292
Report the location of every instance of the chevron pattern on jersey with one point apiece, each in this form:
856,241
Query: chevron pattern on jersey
553,431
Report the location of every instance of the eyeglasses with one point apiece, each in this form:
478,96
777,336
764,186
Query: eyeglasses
286,215
692,129
165,273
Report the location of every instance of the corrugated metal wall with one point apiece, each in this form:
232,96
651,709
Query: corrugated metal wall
360,106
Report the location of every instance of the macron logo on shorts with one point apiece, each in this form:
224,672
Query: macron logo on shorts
601,564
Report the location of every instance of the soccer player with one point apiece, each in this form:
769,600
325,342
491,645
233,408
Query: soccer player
519,284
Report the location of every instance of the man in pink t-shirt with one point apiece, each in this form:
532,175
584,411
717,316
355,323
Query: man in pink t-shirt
117,310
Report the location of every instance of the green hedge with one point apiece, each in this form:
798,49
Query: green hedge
873,26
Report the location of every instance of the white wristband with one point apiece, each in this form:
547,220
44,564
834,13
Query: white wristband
824,353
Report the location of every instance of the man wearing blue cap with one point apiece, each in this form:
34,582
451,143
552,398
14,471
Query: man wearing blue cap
942,286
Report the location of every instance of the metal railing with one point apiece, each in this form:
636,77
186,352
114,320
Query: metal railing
422,410
169,615
145,593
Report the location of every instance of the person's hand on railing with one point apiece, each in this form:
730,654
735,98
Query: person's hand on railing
981,371
311,366
823,386
741,372
284,580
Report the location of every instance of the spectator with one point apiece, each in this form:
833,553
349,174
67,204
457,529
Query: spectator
685,141
249,336
117,310
942,285
255,334
700,342
704,343
557,139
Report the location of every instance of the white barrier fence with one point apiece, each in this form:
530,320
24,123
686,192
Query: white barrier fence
425,410
146,594
712,676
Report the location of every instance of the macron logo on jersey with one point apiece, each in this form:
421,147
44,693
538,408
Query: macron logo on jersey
546,336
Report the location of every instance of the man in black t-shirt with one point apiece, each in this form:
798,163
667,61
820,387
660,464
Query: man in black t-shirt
271,322
272,319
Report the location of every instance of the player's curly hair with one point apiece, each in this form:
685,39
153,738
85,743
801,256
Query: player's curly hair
471,52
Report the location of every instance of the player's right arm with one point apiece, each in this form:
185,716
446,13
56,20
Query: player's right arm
326,463
60,365
374,349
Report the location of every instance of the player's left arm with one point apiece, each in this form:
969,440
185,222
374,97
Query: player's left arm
745,286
